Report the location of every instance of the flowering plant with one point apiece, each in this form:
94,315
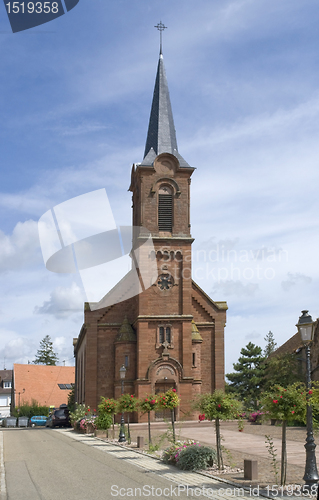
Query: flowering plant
171,454
79,413
108,406
201,417
255,416
147,404
168,400
89,419
127,403
286,404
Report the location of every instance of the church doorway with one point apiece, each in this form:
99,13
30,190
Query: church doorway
162,386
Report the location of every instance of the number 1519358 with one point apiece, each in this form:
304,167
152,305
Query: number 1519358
31,7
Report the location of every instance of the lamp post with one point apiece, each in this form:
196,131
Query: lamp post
122,438
306,329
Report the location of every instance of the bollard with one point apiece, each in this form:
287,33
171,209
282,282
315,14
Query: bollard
140,441
250,469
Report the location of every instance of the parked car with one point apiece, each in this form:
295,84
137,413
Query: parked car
59,418
39,420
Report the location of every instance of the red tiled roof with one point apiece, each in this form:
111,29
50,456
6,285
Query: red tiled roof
41,383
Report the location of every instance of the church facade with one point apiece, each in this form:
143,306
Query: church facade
171,334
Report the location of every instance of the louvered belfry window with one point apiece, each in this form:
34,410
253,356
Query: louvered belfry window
165,209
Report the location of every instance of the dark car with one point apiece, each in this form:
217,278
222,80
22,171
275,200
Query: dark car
59,418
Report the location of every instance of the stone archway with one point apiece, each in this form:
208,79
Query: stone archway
164,375
161,386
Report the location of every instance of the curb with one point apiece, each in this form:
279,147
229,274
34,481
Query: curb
3,488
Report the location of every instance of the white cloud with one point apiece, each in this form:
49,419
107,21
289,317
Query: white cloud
63,302
230,287
16,350
295,279
21,249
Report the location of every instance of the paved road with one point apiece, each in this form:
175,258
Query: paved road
46,464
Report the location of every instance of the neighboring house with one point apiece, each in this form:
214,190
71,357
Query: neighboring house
295,346
5,392
48,385
171,334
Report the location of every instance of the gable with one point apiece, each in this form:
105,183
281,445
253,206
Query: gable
40,382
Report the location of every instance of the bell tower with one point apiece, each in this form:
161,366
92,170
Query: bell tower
160,187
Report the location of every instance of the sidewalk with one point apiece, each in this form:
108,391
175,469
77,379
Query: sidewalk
204,484
249,444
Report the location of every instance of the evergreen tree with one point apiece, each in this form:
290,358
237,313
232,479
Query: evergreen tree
284,369
45,354
247,380
270,344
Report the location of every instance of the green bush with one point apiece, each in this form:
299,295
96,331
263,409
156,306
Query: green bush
171,454
30,410
196,457
104,421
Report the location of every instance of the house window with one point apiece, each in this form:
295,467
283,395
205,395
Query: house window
164,334
165,209
194,359
7,385
126,361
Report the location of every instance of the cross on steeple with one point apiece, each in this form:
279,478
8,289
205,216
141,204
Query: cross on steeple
160,26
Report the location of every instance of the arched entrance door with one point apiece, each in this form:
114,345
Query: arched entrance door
162,386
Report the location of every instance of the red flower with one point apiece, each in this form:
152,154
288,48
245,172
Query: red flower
218,406
310,392
292,412
275,401
201,417
89,409
174,390
132,396
281,396
94,410
153,401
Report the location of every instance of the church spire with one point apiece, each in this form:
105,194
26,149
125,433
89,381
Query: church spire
161,134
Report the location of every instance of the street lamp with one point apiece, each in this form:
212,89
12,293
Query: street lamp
306,329
122,438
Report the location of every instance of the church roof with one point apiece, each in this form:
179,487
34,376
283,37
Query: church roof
161,135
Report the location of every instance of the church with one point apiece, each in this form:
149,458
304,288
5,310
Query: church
171,335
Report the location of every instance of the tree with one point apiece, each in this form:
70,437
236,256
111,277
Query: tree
286,404
45,354
247,380
270,344
218,406
284,369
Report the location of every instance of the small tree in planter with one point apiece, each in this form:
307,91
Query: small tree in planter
286,405
106,411
146,405
219,406
127,404
169,400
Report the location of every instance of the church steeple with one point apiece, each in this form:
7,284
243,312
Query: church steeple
161,134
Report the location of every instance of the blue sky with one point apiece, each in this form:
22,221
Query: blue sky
75,101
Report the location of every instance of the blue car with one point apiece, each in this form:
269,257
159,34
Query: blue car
38,420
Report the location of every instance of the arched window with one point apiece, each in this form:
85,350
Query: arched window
168,334
161,334
165,209
164,334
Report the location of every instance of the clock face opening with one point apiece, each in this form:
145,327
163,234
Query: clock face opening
165,282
